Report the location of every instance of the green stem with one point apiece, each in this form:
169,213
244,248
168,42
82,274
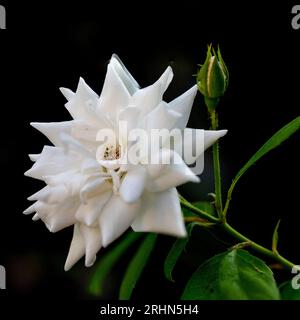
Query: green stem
221,219
199,212
229,197
257,247
217,170
237,235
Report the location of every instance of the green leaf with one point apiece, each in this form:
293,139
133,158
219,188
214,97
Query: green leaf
176,251
233,275
205,206
136,266
103,268
279,137
275,238
287,292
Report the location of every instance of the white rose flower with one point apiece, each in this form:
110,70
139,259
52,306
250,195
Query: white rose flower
89,187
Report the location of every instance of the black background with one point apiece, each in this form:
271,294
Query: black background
48,45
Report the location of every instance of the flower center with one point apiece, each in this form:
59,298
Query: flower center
112,152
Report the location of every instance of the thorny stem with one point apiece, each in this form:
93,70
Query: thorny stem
202,214
237,235
217,171
221,219
229,197
257,247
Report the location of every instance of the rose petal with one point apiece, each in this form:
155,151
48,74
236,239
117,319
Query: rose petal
77,248
183,105
83,104
166,176
161,213
92,240
52,130
148,98
52,161
116,218
133,184
89,213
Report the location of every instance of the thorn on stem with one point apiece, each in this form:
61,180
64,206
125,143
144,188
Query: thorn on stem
241,245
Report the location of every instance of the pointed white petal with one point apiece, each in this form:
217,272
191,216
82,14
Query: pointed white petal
114,95
30,209
166,78
210,137
116,217
166,176
55,223
161,213
76,250
52,161
34,157
133,184
39,195
68,94
43,208
36,217
50,194
83,103
195,142
92,240
52,130
84,91
161,117
89,212
60,216
183,105
148,98
128,80
174,177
